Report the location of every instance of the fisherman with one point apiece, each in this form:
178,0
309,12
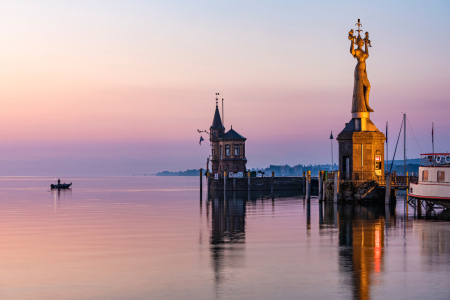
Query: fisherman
59,181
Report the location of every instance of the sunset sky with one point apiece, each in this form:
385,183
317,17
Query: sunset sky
121,87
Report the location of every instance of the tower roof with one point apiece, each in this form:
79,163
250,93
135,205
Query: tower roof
217,122
232,135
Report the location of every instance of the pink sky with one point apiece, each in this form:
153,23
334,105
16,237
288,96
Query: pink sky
128,84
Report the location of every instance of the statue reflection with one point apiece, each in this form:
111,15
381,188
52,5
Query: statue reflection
227,233
361,241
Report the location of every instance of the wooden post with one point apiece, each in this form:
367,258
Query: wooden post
248,180
336,186
201,184
208,182
335,208
308,186
225,181
320,213
320,186
387,197
419,208
407,187
271,184
308,215
304,183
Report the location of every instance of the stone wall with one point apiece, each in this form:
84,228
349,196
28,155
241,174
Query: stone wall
355,190
264,184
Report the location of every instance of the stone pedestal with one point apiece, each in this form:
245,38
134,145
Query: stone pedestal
361,150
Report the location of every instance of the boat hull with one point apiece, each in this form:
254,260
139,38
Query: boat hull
61,186
430,191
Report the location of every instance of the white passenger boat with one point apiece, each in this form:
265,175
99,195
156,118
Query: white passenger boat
434,178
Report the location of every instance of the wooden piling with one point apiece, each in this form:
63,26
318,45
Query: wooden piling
407,187
304,183
225,181
308,185
320,213
271,183
201,184
248,180
208,182
320,186
387,197
336,187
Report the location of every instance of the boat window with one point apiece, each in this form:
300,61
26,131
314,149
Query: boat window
441,176
424,175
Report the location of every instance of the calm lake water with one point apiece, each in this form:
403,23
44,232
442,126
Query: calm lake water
152,238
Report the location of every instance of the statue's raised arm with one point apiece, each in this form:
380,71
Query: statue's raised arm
352,38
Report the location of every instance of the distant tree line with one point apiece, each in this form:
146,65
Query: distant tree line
297,170
193,172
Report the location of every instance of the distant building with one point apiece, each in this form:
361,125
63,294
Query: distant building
227,148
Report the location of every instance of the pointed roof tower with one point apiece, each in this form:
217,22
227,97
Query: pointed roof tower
217,121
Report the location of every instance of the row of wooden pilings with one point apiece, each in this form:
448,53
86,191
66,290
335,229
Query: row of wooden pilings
307,185
307,190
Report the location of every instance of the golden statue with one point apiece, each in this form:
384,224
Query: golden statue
361,88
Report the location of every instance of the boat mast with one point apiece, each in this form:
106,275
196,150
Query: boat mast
387,148
432,136
404,144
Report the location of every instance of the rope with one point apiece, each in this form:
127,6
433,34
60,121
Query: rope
392,164
414,135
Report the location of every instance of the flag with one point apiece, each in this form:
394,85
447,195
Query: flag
331,135
201,139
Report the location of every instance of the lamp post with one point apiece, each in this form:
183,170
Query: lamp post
331,140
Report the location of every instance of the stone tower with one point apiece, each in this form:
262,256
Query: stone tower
216,132
361,152
227,148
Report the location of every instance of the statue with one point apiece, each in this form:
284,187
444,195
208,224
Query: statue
361,88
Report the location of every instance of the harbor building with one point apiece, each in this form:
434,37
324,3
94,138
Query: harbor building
227,149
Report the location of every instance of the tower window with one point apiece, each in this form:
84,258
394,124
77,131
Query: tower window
215,134
227,150
213,152
236,150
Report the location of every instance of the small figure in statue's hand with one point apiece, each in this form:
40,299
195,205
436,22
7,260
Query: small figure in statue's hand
351,37
366,39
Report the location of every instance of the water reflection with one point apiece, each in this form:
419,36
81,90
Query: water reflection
57,196
361,241
227,233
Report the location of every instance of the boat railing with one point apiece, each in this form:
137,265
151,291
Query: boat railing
435,159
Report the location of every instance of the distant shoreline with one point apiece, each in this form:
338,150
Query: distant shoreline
297,170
